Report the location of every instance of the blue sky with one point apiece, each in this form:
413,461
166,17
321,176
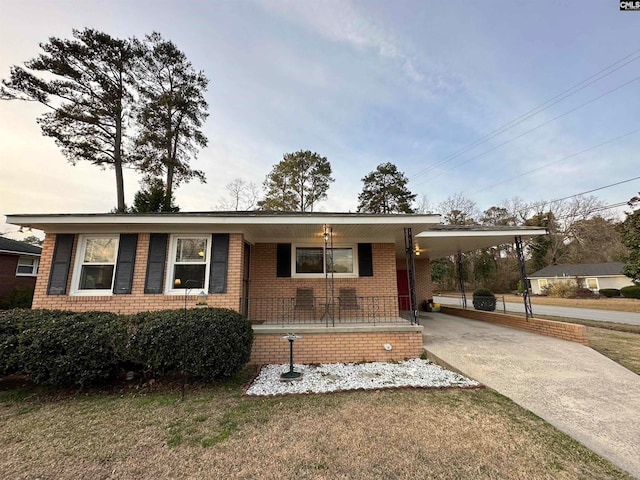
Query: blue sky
360,82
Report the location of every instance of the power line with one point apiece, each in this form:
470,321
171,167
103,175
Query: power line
540,108
537,127
560,160
595,189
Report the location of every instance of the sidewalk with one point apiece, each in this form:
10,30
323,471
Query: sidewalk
576,389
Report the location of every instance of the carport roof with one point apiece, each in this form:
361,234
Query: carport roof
443,240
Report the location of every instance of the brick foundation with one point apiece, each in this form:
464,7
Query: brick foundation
563,330
340,344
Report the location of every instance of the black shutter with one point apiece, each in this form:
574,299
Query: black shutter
59,272
283,260
126,261
365,260
219,262
155,263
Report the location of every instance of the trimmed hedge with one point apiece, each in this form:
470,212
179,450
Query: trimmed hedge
609,292
18,297
484,300
205,343
63,348
69,348
632,291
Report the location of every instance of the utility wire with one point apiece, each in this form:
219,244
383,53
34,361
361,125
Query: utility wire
611,140
536,127
540,108
595,189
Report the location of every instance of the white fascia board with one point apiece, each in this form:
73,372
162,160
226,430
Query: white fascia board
481,233
204,219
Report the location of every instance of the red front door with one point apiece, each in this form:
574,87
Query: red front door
403,290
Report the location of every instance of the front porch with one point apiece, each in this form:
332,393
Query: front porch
346,308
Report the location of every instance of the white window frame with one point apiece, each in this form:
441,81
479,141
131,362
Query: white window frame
34,271
586,282
295,246
540,283
79,262
173,245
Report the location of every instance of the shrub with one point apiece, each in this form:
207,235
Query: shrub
18,297
561,289
609,292
632,291
8,343
583,293
206,343
484,300
69,348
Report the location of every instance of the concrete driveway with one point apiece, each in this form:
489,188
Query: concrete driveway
571,312
579,391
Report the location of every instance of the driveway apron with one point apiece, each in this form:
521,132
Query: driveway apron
579,391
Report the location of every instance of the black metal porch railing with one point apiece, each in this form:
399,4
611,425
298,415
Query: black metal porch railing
320,311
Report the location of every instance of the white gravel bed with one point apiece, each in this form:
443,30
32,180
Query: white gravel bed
331,377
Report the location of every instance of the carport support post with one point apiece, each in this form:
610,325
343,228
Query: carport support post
523,279
463,297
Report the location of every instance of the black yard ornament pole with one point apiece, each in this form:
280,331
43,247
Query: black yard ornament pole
291,374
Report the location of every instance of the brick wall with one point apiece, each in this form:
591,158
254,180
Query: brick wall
136,301
563,330
337,347
8,278
265,283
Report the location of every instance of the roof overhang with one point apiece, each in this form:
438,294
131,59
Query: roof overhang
429,235
256,226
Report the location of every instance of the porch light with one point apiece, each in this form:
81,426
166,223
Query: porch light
326,233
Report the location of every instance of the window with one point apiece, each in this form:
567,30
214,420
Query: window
311,261
592,284
95,264
188,263
542,283
27,267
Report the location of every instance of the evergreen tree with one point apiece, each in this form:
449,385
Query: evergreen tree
297,182
630,234
85,82
385,191
152,198
171,113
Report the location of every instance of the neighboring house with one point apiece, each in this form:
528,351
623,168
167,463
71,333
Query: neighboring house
18,265
339,279
594,276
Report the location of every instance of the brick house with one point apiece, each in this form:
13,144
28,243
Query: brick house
19,263
341,280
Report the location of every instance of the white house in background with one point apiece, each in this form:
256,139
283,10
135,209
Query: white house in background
594,276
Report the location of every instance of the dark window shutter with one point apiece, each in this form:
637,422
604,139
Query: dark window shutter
126,261
283,260
365,260
59,272
155,263
219,262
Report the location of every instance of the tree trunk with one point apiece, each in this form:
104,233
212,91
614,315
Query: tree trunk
117,164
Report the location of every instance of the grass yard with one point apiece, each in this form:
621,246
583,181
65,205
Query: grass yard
618,341
217,433
603,303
